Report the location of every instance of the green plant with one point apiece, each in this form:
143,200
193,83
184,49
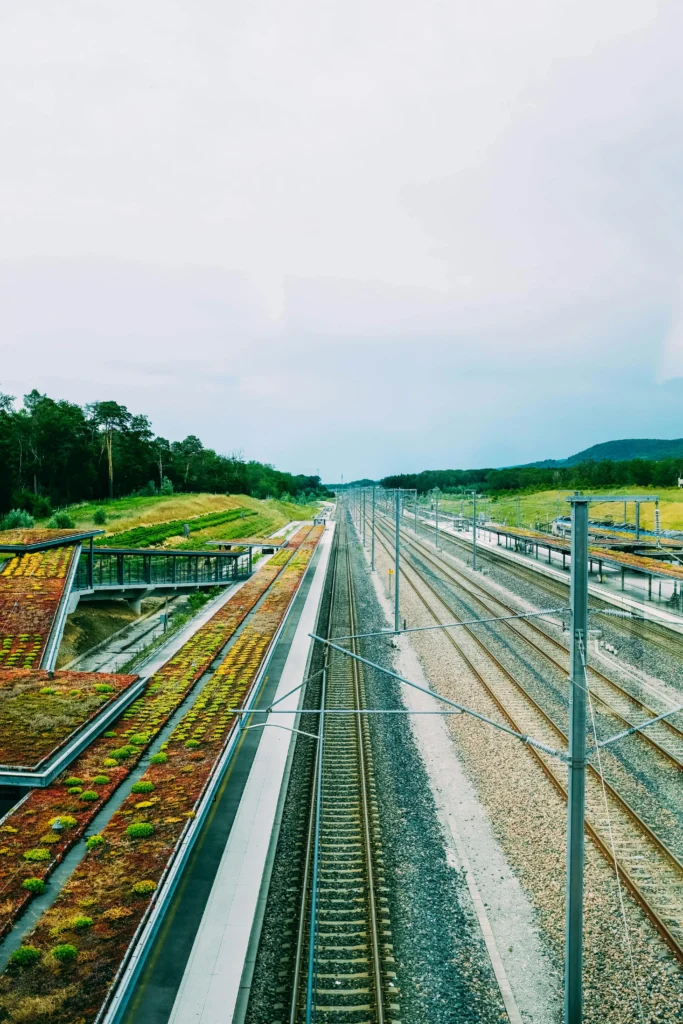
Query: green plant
73,781
121,753
25,956
103,688
50,838
79,924
65,820
142,787
61,521
166,486
89,795
159,758
140,830
47,689
99,517
144,888
101,780
17,519
92,842
191,744
109,734
110,762
65,953
139,739
75,789
34,885
36,854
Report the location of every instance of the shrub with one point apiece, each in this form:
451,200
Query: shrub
160,758
65,953
50,838
17,519
110,762
144,804
93,842
139,738
65,820
166,486
144,888
47,689
25,956
61,521
191,744
99,517
121,753
140,830
73,780
103,688
36,854
34,885
79,924
89,795
142,787
41,506
109,735
101,780
75,789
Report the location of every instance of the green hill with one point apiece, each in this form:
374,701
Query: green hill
621,451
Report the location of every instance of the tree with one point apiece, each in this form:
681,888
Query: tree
109,419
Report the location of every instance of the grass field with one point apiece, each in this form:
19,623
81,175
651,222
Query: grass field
126,514
541,505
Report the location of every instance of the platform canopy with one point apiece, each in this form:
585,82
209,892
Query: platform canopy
248,542
19,541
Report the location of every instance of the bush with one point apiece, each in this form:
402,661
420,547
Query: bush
110,762
144,888
65,820
101,780
93,842
50,838
47,689
140,830
99,517
166,486
25,956
65,953
191,744
75,789
17,519
109,734
121,753
89,795
34,885
36,854
139,739
73,780
79,924
103,688
61,521
159,758
41,507
142,787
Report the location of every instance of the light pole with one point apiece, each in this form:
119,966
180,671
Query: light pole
372,544
576,797
396,558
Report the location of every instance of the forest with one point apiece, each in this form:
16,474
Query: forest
54,453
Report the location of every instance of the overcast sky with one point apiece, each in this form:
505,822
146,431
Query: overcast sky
357,237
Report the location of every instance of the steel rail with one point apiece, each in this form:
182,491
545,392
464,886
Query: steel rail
675,942
645,628
471,588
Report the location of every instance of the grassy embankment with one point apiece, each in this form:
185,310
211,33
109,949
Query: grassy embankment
538,506
90,624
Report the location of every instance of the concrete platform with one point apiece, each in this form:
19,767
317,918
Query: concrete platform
195,969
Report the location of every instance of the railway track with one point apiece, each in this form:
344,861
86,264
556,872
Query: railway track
648,868
342,970
664,737
641,629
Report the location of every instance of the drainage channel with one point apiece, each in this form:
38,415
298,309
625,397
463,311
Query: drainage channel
62,873
157,986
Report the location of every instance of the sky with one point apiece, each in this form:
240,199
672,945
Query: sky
348,238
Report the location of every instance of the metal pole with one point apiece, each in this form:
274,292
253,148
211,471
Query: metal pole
573,983
372,544
637,520
437,522
416,512
474,529
363,517
396,557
